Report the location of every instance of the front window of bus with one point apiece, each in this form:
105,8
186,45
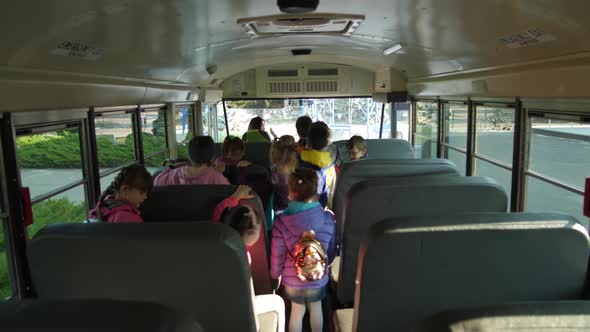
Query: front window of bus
344,116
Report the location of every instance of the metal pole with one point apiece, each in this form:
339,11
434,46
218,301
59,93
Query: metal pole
137,131
382,115
471,122
225,117
519,158
13,213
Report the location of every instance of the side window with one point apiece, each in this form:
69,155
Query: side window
50,165
494,143
425,137
115,144
558,155
153,134
184,119
5,288
455,134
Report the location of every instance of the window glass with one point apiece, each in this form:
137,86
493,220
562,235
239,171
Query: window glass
49,161
495,133
403,121
543,196
221,130
455,133
114,140
5,287
153,133
560,149
69,206
459,158
344,116
502,176
426,120
155,162
425,148
184,117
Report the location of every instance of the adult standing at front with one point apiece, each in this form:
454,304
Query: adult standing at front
256,132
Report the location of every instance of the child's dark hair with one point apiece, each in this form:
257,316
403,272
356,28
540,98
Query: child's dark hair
281,153
256,123
134,176
356,141
239,218
303,124
232,144
319,135
303,184
201,150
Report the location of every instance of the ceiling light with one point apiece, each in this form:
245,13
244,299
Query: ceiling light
393,49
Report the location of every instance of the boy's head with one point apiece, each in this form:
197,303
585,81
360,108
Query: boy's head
233,148
303,185
201,150
319,136
303,124
357,147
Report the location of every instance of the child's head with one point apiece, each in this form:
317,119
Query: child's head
357,147
303,124
233,148
287,139
283,155
243,219
303,185
132,184
319,136
201,150
256,123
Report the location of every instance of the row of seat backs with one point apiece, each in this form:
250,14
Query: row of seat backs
257,153
378,149
412,268
357,171
371,201
197,268
195,203
552,316
93,316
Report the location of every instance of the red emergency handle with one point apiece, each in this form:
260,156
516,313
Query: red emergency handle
25,195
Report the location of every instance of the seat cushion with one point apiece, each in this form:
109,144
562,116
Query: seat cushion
268,321
334,269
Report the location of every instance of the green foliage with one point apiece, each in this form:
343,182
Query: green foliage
56,210
5,289
63,150
159,125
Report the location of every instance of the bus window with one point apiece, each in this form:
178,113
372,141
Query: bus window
559,152
425,137
494,144
5,288
153,138
344,116
114,140
403,121
184,115
455,134
50,165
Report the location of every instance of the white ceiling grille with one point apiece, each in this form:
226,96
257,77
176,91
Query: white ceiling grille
321,86
284,87
316,23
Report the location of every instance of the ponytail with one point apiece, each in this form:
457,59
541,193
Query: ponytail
135,176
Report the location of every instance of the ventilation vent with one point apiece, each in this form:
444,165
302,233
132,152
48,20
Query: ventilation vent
283,73
332,24
284,87
321,86
323,72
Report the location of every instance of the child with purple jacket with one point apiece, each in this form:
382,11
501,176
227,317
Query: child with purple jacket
303,214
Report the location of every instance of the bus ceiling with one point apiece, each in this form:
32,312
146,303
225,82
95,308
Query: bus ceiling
133,52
